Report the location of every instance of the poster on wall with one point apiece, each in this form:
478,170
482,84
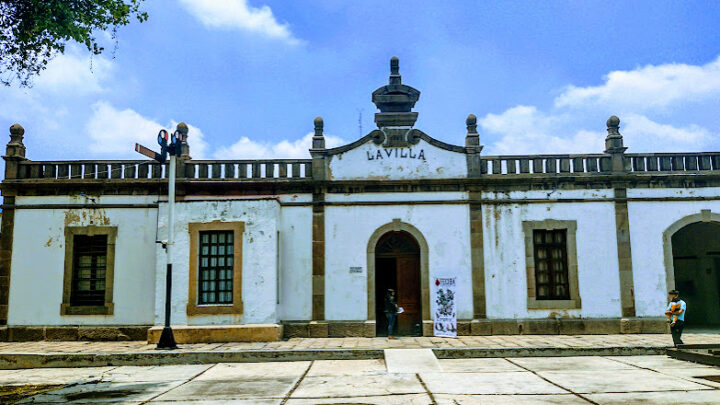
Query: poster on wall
445,320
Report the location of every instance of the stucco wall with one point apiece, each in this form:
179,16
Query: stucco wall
259,261
648,222
36,284
349,228
504,250
295,263
421,161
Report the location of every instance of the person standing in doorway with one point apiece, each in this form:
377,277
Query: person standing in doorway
676,314
391,310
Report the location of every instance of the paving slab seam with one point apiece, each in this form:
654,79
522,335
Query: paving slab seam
660,372
427,391
297,383
552,382
647,392
190,379
102,375
339,397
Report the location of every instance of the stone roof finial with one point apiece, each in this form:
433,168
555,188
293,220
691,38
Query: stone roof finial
15,148
395,100
614,140
17,130
472,139
319,126
183,129
613,125
395,77
471,123
185,146
318,140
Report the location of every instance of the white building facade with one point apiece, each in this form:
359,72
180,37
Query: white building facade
540,244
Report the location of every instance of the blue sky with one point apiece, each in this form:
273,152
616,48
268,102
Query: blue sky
249,76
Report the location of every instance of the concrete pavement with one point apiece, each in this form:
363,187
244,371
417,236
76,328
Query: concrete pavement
17,355
530,380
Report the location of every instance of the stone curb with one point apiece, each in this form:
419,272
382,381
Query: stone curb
45,360
462,353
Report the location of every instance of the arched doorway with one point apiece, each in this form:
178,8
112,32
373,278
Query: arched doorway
397,266
696,267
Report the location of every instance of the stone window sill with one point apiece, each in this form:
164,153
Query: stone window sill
107,309
553,304
214,309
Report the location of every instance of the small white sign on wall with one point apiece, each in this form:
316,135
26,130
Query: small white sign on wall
444,308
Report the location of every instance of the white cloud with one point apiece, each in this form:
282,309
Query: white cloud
640,130
648,87
239,15
75,71
66,75
525,130
114,132
661,108
246,148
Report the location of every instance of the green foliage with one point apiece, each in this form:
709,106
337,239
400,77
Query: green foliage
32,32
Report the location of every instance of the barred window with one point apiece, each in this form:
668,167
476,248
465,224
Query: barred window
215,267
551,264
89,270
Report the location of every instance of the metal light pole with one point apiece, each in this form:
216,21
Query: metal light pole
167,339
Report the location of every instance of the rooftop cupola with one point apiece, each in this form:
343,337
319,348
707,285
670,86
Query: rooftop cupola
395,100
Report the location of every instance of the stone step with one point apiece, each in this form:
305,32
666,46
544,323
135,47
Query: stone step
411,361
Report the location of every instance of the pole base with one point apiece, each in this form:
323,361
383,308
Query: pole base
167,340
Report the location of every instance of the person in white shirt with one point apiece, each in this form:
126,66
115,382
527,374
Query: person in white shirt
676,312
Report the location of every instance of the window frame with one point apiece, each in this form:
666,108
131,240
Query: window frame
571,258
219,293
194,308
108,307
550,261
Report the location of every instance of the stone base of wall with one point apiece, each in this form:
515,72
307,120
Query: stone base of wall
70,333
305,329
564,326
220,333
480,327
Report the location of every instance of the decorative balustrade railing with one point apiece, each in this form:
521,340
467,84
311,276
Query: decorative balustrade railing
302,168
545,164
672,162
599,163
249,169
148,169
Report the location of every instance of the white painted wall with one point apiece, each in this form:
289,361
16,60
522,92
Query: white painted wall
648,222
295,263
394,197
347,233
38,260
673,192
370,161
558,194
504,250
139,285
259,261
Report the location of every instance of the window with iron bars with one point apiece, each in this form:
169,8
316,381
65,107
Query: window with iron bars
89,269
551,264
215,267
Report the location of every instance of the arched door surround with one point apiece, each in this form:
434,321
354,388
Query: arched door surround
397,226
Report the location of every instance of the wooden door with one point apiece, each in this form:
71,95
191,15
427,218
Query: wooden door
408,294
400,250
